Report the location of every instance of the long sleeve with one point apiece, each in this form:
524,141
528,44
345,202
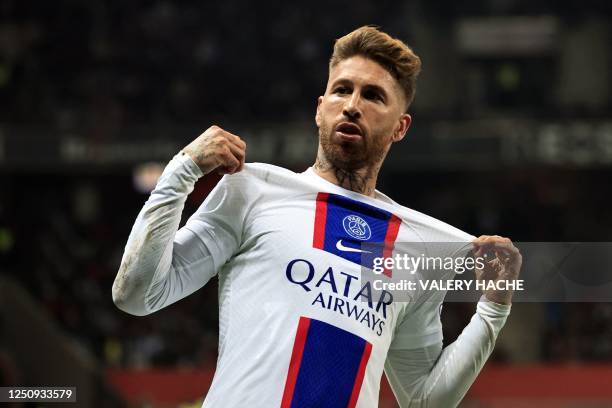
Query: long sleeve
159,264
430,376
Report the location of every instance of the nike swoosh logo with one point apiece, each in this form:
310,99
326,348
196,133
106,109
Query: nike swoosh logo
341,247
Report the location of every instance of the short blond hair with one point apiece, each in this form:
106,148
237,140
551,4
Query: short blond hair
391,53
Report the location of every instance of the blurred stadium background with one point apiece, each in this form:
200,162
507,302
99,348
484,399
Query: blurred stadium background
512,134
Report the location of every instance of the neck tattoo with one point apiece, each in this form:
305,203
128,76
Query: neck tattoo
351,180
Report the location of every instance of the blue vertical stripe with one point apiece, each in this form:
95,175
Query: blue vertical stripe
329,366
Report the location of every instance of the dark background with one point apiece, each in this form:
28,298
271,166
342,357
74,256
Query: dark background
512,135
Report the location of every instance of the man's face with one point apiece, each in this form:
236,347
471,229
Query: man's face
361,114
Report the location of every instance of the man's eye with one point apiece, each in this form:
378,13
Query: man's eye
341,90
373,95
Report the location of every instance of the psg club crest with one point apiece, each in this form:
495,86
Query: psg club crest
356,227
355,231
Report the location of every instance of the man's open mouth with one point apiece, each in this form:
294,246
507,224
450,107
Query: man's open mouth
349,131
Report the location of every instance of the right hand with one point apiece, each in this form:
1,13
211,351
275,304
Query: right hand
217,149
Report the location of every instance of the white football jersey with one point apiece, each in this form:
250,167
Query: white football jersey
298,326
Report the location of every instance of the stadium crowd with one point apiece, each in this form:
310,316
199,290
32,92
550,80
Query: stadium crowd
102,64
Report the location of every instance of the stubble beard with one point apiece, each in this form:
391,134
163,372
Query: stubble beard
353,166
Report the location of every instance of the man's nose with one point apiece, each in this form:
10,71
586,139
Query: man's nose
351,107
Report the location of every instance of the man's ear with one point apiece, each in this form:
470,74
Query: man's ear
318,114
402,127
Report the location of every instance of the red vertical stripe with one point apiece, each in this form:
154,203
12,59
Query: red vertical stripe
392,230
318,240
296,361
360,374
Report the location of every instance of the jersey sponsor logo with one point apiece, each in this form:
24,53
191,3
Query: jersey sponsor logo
356,227
342,293
355,231
327,366
342,247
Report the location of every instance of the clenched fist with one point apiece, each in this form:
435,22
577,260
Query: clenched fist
504,264
217,149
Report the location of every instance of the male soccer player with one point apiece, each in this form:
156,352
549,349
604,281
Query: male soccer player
298,327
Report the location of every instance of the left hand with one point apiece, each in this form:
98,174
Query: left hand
505,265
